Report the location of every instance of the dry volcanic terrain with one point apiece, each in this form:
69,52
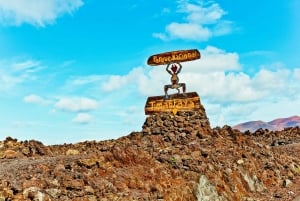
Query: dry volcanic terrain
173,158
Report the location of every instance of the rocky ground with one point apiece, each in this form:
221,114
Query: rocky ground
173,158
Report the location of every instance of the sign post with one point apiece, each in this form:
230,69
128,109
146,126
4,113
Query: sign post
179,101
173,57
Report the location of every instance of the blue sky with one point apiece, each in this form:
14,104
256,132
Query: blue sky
74,70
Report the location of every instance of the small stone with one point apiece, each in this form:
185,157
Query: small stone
277,195
89,162
240,161
59,167
228,171
89,190
287,182
33,193
26,151
74,184
53,192
72,152
10,154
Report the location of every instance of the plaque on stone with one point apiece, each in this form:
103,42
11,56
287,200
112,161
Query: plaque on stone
174,104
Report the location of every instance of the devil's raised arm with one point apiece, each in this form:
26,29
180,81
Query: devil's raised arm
180,66
167,69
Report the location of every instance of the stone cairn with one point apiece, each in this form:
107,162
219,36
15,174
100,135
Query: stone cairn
194,123
178,114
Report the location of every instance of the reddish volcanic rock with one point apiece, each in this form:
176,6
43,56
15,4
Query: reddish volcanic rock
174,158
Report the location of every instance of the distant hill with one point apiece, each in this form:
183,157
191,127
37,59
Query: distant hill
274,125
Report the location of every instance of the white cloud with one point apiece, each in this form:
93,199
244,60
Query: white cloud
217,76
201,22
269,110
166,10
33,98
115,82
28,66
198,74
82,118
220,115
228,94
296,75
263,53
272,80
14,73
145,81
35,12
268,94
221,87
222,28
213,60
76,104
189,31
161,36
91,79
8,81
197,13
265,110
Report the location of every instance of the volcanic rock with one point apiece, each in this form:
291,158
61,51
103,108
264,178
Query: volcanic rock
173,158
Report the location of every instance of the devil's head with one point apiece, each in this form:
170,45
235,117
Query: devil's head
174,68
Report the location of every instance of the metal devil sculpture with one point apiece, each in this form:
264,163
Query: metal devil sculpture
179,101
174,70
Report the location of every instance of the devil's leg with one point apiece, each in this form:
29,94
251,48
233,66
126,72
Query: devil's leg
183,88
166,87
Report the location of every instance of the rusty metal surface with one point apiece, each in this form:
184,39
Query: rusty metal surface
176,102
173,57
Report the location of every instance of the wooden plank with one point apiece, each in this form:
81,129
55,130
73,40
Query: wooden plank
173,57
175,103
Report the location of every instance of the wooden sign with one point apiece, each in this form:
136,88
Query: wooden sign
173,57
176,102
